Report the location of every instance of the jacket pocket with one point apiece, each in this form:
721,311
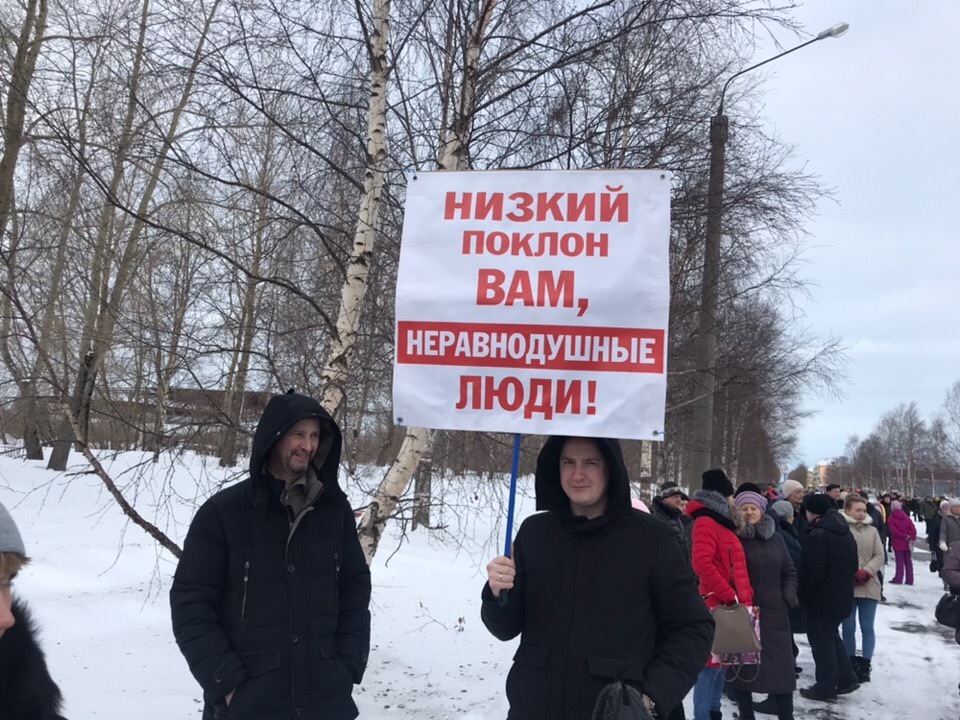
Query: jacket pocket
532,655
261,661
529,682
329,675
254,693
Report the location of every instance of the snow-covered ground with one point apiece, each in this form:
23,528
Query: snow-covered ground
98,585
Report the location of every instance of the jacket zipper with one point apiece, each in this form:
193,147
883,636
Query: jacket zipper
336,564
246,578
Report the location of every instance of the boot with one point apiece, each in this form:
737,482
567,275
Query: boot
784,706
863,670
744,702
766,707
855,662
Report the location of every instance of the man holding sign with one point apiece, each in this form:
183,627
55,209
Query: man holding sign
597,592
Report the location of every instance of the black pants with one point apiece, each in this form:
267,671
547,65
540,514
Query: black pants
834,669
783,702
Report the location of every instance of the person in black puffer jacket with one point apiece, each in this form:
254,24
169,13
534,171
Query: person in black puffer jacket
827,569
597,592
668,506
270,601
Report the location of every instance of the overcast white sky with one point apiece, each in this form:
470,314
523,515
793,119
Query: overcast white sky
876,113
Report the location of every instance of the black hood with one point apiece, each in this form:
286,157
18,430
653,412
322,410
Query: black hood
281,414
550,494
831,522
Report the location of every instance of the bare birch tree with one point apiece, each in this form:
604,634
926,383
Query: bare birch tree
101,318
452,155
22,71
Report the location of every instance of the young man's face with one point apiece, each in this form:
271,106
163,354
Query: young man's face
293,452
835,493
584,477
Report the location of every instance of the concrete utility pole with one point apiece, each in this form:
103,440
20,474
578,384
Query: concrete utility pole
699,457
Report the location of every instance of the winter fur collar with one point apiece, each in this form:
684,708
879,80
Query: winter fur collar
763,530
711,504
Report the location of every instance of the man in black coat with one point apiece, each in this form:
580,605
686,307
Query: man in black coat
597,592
27,692
668,506
270,601
827,569
833,491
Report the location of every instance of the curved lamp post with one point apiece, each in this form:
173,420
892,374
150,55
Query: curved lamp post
700,458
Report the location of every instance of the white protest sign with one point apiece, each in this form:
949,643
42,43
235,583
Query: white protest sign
534,302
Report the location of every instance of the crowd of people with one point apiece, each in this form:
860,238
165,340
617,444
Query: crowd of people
813,563
270,600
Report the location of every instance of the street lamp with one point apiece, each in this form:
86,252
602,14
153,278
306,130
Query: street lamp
700,458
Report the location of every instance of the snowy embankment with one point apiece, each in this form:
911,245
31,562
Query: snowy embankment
98,586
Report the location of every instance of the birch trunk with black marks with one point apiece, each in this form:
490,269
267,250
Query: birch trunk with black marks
452,155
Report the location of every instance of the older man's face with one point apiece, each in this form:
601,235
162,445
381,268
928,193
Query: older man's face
675,501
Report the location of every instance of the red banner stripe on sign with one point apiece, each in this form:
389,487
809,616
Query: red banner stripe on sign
543,347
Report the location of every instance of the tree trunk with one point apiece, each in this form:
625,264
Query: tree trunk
388,494
452,156
423,491
335,372
101,339
21,77
240,363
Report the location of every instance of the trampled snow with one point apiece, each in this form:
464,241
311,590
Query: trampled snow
98,587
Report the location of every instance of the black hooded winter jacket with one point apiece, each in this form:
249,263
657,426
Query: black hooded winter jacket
597,599
275,610
827,568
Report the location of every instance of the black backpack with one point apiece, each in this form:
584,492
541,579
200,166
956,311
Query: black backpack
619,701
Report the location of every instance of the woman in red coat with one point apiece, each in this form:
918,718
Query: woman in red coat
721,568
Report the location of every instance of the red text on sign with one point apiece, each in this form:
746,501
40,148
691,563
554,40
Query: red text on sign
536,396
550,244
550,290
612,206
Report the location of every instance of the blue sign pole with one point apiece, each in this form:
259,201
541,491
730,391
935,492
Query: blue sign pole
514,472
